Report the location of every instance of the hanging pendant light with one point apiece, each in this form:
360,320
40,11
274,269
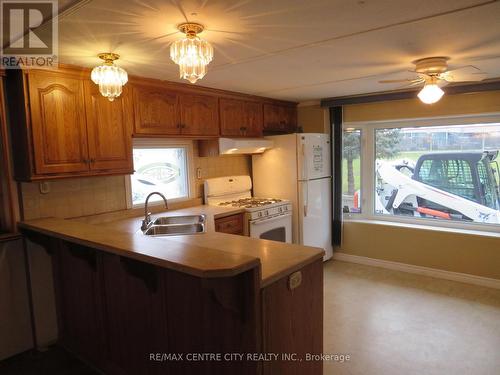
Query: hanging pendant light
191,53
109,77
431,93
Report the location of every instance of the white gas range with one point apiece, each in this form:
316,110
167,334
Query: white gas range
266,218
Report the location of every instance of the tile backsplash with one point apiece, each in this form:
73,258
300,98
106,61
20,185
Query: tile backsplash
74,197
94,195
219,166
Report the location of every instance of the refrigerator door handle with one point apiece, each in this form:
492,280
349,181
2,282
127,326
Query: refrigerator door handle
305,198
305,174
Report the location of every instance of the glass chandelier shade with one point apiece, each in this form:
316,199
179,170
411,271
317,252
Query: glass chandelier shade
431,93
191,53
109,77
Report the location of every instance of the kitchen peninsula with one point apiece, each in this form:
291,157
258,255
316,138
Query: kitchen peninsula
131,304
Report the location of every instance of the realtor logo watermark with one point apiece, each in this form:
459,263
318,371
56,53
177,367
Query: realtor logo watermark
29,34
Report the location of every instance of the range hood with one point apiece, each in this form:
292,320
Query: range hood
234,146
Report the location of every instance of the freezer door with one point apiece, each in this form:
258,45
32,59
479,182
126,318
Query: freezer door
315,214
313,151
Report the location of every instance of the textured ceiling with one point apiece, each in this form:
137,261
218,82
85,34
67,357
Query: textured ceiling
288,49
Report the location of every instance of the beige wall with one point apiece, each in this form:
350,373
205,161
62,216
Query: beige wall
450,251
449,105
313,118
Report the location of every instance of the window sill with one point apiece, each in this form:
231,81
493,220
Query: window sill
427,227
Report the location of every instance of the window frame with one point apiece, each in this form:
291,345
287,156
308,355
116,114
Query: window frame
367,165
164,143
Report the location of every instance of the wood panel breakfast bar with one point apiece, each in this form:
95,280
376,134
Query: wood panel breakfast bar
211,303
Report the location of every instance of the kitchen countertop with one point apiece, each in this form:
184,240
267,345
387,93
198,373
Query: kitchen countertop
210,254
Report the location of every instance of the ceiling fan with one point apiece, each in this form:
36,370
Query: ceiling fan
433,73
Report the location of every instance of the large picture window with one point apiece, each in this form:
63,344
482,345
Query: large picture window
416,171
162,167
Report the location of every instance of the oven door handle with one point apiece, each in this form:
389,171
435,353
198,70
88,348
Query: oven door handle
263,221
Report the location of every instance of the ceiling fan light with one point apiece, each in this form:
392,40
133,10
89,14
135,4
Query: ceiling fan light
109,77
430,94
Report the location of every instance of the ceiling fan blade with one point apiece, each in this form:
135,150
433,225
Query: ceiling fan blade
442,83
466,74
399,80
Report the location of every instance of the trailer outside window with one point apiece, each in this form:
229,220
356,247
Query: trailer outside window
444,174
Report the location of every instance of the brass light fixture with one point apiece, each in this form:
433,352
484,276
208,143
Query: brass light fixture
109,77
191,53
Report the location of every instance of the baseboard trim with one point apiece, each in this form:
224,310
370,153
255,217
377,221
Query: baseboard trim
410,268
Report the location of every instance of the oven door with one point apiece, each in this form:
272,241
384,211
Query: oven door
276,228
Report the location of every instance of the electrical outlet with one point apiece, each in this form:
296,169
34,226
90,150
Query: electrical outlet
198,173
44,187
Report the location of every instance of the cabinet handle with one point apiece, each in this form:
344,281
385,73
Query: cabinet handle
92,160
86,161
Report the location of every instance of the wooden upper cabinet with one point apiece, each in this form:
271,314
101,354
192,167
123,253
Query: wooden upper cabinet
240,118
280,118
254,119
109,129
156,110
199,115
58,123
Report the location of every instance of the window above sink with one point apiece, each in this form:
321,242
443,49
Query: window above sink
160,165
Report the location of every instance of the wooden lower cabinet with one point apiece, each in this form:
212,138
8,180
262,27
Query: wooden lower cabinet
125,317
79,303
232,224
292,321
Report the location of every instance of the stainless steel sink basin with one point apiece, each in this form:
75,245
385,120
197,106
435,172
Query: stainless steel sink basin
176,225
189,219
174,229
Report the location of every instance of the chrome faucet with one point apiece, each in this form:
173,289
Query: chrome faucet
147,215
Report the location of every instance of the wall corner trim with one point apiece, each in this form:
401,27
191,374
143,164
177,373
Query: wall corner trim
419,270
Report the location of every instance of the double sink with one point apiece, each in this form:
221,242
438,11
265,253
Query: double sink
176,225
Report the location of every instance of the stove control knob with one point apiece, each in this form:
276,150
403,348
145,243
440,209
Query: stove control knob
267,212
280,209
260,214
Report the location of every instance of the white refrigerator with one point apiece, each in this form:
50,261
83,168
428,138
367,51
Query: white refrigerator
298,168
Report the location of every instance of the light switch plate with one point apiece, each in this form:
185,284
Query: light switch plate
44,187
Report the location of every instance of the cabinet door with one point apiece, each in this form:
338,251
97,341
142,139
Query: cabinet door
58,123
272,117
280,118
79,302
199,115
254,119
240,118
156,110
109,129
134,317
291,118
232,117
300,330
230,224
